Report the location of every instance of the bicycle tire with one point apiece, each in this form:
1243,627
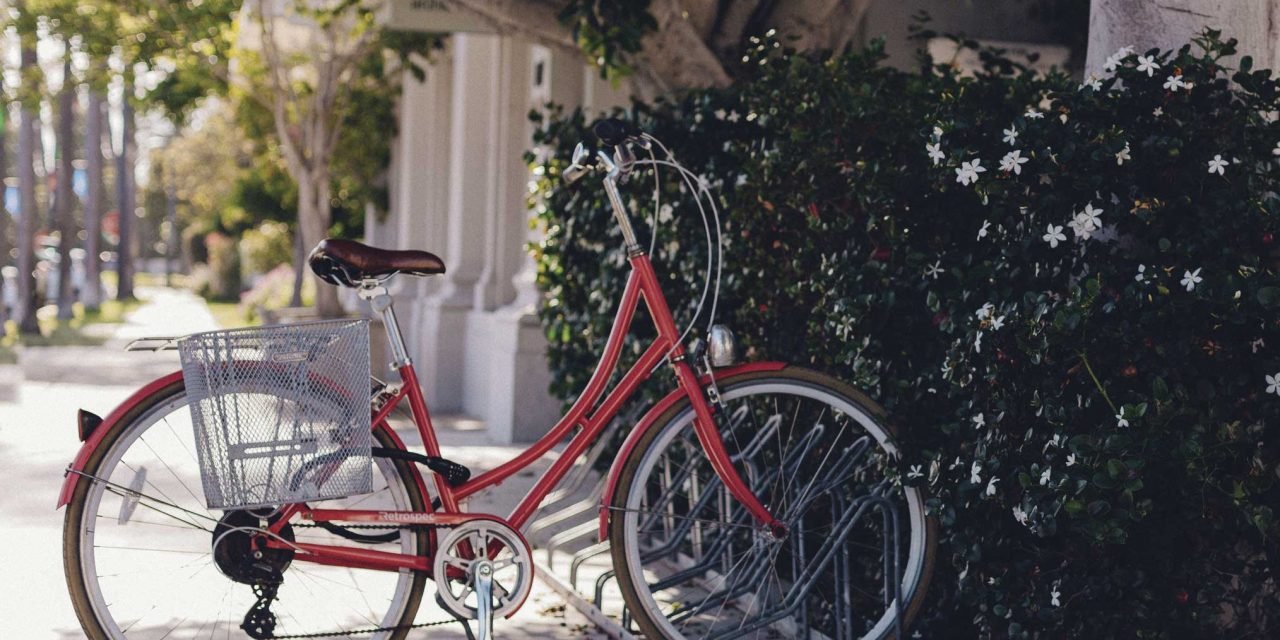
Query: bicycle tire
638,483
84,587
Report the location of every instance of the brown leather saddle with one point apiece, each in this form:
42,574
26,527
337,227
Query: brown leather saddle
347,262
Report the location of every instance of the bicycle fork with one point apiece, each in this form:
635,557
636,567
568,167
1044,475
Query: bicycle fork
704,425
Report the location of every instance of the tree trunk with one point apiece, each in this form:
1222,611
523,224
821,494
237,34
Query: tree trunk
125,197
1168,25
313,222
4,215
92,293
28,216
299,267
66,207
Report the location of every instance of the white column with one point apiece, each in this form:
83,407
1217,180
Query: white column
1143,24
505,227
422,208
472,187
518,406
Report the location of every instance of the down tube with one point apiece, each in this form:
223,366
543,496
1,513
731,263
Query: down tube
591,429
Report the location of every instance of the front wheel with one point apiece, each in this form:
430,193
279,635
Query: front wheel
165,566
692,563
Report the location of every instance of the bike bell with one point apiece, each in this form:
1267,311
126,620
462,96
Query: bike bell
722,346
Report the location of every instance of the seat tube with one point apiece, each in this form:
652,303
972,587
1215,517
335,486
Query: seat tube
382,303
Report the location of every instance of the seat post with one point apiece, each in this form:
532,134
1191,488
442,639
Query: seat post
372,290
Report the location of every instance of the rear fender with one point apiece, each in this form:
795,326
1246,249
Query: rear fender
654,417
72,475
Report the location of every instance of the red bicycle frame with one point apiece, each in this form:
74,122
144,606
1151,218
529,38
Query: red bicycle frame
590,412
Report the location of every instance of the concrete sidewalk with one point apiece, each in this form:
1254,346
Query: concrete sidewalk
38,440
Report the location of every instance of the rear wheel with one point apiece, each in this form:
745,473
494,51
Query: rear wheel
150,568
692,563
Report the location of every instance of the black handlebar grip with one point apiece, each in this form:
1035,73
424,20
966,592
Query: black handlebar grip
613,131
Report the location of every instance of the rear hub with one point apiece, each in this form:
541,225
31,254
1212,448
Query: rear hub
240,552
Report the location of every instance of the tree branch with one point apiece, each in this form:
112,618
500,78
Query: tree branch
535,20
674,56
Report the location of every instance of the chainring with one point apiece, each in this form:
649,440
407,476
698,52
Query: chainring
509,554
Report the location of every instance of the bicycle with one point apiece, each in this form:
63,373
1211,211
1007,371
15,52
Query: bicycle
753,500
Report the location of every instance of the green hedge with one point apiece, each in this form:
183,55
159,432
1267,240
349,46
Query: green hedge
1094,411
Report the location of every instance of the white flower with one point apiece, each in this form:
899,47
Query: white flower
997,323
1032,114
665,213
1019,514
968,172
1142,274
1010,135
1112,62
1121,421
933,270
1054,595
1013,161
1190,279
1071,459
979,421
1045,477
1092,216
1173,83
1273,384
1054,236
1106,233
1218,165
1093,83
1080,226
973,473
916,472
982,233
1276,151
935,153
1148,64
991,485
720,114
1157,112
1256,344
937,132
977,343
1063,118
984,311
1123,155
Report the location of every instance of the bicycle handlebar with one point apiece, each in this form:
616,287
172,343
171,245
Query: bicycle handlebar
614,132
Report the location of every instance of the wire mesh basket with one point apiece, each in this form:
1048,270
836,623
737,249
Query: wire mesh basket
281,413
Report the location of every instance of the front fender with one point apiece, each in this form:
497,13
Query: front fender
86,450
661,409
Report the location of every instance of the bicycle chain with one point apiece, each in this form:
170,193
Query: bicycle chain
336,634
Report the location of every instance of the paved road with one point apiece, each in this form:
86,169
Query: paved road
37,440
